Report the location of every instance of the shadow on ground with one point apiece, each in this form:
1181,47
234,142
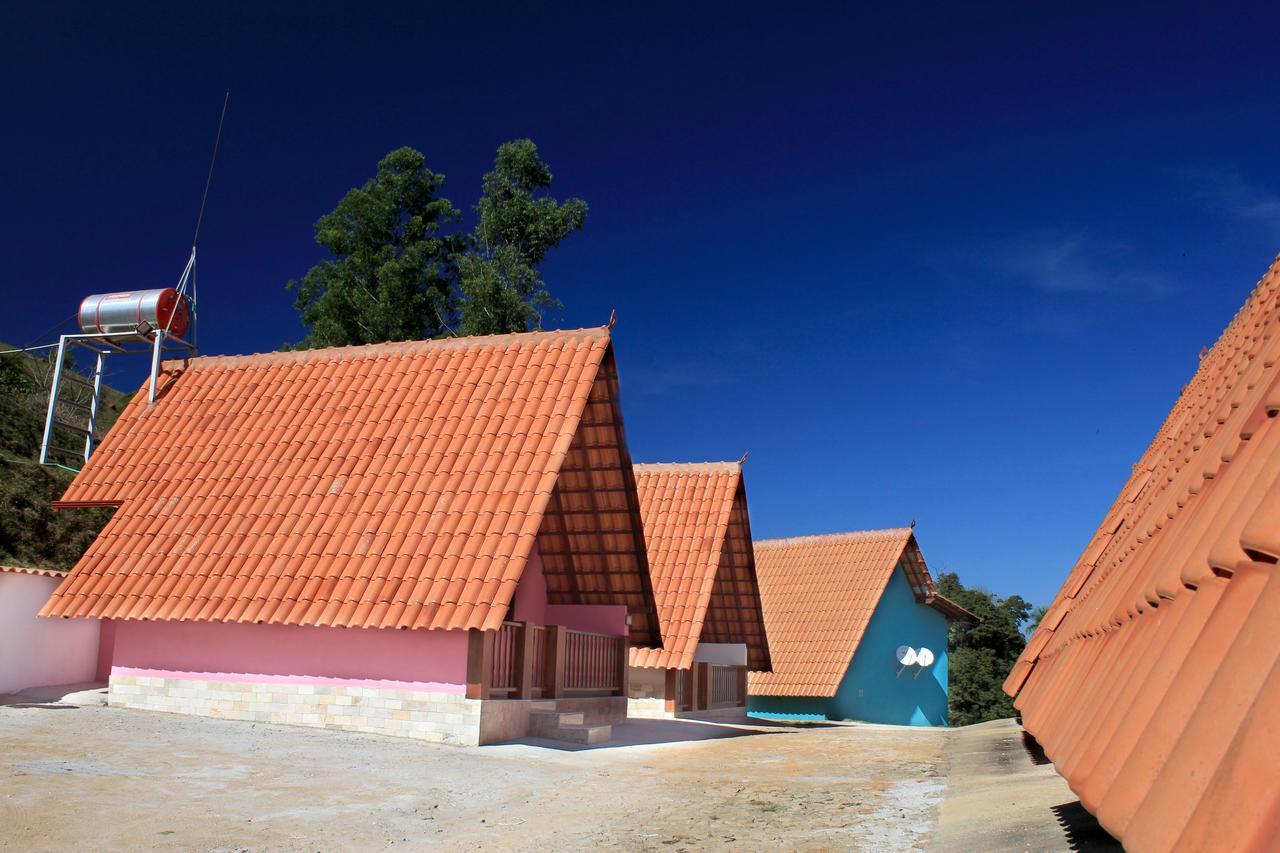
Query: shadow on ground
1033,748
646,732
1082,829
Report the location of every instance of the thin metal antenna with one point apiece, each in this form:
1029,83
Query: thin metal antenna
217,140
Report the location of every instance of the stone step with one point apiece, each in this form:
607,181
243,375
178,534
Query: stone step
548,724
585,734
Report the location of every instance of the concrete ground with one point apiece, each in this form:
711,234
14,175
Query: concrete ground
74,776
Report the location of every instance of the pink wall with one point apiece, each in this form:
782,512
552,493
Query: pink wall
529,604
601,618
106,647
370,657
37,652
424,660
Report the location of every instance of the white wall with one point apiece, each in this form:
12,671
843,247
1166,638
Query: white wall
731,654
37,652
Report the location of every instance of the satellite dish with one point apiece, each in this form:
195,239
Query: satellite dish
906,655
924,658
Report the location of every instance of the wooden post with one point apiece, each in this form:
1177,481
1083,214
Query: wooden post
670,690
742,686
524,661
624,667
554,659
703,680
479,662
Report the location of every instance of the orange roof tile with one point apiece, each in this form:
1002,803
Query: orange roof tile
819,593
701,562
25,570
400,485
1154,671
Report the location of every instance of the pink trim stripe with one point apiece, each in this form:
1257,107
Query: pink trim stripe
254,678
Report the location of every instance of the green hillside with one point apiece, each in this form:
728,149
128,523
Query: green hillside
31,532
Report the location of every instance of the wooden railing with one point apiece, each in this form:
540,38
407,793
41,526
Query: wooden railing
728,686
527,661
707,686
504,666
594,663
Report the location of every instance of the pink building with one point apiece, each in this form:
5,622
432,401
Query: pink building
433,539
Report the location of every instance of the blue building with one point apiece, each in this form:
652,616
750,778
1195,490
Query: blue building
857,630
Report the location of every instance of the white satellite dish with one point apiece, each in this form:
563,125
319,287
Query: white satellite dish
924,658
906,655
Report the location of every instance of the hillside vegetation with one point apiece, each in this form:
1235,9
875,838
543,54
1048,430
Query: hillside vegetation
32,533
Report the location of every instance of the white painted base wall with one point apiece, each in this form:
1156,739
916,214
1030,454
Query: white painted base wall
37,652
428,716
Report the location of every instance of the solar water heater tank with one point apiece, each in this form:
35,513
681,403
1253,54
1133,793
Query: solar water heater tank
134,312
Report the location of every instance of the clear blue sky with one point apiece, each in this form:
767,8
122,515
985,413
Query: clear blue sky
921,261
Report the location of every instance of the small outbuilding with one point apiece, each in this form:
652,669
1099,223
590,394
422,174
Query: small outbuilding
857,630
698,536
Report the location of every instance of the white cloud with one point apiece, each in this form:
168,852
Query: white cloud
1228,191
1074,262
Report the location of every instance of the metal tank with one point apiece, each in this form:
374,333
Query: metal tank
134,312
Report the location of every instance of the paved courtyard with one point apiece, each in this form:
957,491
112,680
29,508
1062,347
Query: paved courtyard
75,777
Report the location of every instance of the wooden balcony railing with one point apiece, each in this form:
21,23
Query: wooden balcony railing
527,661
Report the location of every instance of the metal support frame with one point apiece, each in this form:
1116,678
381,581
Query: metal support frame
93,403
155,365
101,345
55,384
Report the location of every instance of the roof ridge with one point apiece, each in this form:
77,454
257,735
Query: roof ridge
879,533
356,350
734,466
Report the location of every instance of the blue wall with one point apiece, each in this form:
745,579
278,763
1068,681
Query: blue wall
871,690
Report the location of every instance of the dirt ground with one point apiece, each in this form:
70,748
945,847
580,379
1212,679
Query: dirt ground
75,777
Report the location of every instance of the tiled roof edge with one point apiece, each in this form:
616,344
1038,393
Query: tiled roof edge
887,533
27,570
322,353
705,467
950,609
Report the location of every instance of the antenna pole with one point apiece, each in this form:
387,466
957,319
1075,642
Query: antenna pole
217,141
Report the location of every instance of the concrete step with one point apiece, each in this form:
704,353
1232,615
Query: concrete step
549,723
567,726
585,734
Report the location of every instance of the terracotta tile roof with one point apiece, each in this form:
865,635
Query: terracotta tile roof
1153,681
700,558
401,485
25,570
819,593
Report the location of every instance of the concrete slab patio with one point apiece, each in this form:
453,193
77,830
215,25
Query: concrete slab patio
112,779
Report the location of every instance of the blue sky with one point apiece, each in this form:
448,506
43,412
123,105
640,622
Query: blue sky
923,262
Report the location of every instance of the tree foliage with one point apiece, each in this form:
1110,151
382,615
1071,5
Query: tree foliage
399,272
31,532
980,656
518,224
393,268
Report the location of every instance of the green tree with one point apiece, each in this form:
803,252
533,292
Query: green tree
518,224
1033,621
980,656
392,274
